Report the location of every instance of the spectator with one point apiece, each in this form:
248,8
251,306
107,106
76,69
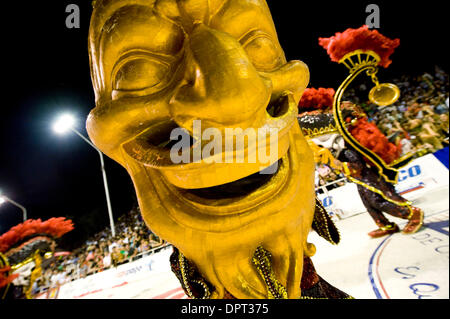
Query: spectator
145,246
155,241
116,256
107,260
125,251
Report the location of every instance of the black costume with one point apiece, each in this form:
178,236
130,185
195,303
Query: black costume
379,196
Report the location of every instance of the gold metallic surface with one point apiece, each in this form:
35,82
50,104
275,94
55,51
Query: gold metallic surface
263,262
35,274
384,94
307,132
356,59
323,155
3,264
159,65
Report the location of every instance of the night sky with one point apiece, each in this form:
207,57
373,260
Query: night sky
45,71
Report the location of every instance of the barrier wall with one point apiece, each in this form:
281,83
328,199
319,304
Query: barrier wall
147,278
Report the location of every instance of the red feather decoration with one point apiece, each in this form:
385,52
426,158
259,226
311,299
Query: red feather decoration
370,136
363,39
54,227
4,279
320,98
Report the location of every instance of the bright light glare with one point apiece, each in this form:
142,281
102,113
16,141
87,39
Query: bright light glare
2,200
64,123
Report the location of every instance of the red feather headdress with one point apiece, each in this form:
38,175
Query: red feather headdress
362,39
54,227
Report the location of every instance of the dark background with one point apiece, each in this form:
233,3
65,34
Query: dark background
45,71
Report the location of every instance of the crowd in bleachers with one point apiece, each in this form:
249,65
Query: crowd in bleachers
418,120
325,175
102,251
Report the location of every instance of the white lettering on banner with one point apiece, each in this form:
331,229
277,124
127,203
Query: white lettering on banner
345,198
421,175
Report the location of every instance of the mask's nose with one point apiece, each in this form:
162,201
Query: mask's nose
221,86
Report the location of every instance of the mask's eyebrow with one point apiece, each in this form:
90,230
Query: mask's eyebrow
241,17
133,27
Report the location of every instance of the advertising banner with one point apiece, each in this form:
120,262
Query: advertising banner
143,278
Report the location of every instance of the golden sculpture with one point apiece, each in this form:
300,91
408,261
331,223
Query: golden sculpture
158,65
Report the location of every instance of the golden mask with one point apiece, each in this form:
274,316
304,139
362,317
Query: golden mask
159,65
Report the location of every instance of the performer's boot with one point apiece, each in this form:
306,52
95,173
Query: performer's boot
415,221
384,230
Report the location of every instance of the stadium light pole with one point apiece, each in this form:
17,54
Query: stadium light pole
4,199
66,123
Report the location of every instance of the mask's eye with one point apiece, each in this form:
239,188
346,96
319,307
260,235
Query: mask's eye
139,74
263,53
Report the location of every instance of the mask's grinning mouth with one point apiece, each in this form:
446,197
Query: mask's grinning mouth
238,188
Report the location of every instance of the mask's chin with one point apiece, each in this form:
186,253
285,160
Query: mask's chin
219,228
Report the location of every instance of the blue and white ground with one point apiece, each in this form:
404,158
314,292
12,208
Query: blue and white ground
395,267
398,266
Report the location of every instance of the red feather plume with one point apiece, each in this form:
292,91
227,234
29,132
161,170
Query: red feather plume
363,39
370,136
54,227
320,98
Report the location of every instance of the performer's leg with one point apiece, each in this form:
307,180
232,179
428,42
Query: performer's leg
385,226
415,220
314,287
394,210
411,213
